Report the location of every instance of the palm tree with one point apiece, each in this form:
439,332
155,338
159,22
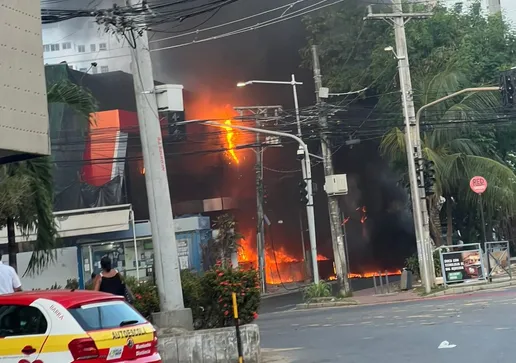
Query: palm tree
452,143
27,190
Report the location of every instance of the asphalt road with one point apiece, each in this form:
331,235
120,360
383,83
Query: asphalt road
288,301
481,326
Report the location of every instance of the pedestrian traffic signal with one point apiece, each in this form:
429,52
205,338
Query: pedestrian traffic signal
303,192
507,87
429,177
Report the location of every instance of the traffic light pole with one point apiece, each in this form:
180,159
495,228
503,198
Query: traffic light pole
419,155
308,169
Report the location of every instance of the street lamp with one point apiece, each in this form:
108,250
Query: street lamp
307,178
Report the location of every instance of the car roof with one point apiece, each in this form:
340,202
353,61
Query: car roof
67,298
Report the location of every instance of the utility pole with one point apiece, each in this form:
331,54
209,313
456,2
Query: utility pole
166,263
413,141
259,113
339,252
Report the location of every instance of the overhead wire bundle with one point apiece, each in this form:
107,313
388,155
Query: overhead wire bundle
123,18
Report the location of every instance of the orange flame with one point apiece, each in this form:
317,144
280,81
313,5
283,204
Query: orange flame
283,267
230,134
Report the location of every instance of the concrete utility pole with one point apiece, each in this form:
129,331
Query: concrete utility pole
413,140
339,251
166,263
259,113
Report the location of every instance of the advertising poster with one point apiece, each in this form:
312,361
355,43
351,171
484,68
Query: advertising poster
463,265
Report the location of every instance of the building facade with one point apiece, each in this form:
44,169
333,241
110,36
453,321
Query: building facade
84,45
23,103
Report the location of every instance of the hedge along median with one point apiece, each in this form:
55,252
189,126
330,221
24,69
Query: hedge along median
209,296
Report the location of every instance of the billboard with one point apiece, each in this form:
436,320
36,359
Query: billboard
462,266
23,103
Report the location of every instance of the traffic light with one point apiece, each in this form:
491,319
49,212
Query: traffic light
507,87
419,170
303,192
429,177
265,195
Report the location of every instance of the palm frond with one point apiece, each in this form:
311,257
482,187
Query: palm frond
393,145
74,96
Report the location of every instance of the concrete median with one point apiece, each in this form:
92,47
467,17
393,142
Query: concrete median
209,346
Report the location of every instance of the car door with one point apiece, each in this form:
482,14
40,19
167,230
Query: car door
23,332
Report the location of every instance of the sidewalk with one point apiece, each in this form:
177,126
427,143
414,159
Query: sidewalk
368,297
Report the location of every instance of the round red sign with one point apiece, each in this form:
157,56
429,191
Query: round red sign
478,184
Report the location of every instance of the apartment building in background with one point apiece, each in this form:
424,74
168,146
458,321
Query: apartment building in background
23,103
83,44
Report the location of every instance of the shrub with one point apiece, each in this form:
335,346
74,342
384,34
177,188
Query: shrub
72,284
218,284
412,264
321,289
146,297
209,296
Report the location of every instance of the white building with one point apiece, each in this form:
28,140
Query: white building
508,7
82,44
23,104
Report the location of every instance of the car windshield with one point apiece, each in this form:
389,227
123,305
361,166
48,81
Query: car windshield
106,315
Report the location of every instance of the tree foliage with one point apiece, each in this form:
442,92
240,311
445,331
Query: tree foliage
456,48
27,189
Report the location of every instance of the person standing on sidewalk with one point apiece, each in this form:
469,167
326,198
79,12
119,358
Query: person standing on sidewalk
9,280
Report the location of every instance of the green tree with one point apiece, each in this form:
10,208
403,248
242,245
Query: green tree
352,50
453,144
27,191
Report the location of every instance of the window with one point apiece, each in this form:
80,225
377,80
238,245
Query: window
46,48
106,315
83,70
21,320
54,47
67,45
93,47
102,46
81,48
104,69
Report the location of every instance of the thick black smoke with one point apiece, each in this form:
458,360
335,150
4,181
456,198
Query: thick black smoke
272,53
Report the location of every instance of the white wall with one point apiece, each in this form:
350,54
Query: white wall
85,33
63,269
23,104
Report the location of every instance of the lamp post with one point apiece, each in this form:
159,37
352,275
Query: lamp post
308,181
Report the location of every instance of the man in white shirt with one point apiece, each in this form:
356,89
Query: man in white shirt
9,280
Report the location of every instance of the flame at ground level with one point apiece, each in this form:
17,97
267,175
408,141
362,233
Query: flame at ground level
282,267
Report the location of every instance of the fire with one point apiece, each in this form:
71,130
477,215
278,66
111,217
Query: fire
363,210
283,267
230,134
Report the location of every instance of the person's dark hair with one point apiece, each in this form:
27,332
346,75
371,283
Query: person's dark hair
105,263
93,275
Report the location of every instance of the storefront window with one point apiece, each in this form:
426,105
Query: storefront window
130,262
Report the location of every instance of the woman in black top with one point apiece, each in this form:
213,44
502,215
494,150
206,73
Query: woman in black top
109,279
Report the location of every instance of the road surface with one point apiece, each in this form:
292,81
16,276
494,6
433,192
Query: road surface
479,328
288,301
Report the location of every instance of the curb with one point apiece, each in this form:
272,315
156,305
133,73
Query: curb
472,288
329,304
